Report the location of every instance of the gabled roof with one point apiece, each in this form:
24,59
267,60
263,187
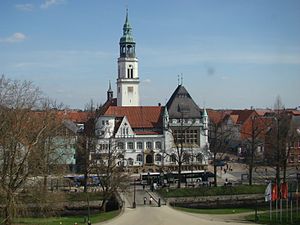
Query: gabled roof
243,115
138,116
181,105
217,116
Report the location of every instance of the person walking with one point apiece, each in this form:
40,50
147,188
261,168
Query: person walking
150,200
145,200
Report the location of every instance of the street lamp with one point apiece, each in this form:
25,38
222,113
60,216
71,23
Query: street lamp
134,190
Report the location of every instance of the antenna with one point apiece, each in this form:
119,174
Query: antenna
181,78
178,80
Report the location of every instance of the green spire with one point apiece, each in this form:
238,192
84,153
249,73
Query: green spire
127,30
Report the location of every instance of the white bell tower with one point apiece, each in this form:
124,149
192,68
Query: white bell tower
128,77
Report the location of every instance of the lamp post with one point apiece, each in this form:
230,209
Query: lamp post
134,190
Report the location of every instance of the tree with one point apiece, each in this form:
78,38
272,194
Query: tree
277,140
253,133
220,137
101,157
24,123
108,163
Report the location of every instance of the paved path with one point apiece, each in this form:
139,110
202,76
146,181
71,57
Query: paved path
151,215
165,215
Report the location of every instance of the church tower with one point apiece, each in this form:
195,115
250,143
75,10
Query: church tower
128,77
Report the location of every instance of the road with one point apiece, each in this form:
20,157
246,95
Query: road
164,215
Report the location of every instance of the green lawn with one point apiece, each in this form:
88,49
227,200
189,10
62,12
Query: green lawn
67,220
264,218
215,211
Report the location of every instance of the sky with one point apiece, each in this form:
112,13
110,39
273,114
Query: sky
232,54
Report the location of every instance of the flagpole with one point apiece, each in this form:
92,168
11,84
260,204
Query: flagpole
297,204
287,202
280,210
292,210
271,210
276,210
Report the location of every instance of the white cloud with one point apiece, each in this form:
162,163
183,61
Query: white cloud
25,7
49,3
16,37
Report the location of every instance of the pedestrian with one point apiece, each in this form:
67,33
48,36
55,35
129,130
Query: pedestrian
145,200
150,200
89,223
226,182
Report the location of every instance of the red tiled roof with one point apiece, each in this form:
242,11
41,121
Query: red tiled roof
243,115
217,116
138,116
261,127
75,116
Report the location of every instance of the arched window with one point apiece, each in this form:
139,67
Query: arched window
149,145
139,158
130,161
158,145
158,157
130,145
139,145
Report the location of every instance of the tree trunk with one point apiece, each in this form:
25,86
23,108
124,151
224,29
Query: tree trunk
9,209
179,174
215,169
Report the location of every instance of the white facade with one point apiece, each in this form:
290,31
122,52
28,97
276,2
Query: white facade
136,150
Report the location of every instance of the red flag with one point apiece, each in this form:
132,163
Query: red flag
274,192
284,190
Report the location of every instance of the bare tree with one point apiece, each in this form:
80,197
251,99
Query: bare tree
21,131
277,140
254,133
220,137
108,163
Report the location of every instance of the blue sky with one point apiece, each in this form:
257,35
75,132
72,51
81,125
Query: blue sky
232,54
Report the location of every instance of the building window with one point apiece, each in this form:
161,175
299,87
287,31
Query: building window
158,145
173,158
149,145
186,136
158,157
130,161
199,157
130,145
139,145
139,158
120,145
119,89
130,90
186,157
